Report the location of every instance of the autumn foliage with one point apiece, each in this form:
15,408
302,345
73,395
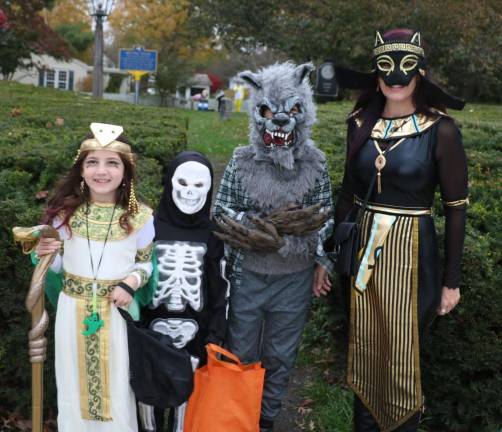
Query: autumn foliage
23,32
463,37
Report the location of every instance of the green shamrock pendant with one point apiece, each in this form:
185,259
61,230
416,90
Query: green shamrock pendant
93,323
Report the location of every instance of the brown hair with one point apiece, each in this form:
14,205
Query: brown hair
68,195
372,102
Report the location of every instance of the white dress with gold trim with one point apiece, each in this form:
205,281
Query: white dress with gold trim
92,372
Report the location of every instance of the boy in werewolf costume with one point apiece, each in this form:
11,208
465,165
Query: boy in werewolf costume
274,208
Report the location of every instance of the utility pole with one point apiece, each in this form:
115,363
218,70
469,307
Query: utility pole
99,10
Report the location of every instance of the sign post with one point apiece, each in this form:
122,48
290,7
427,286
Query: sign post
138,62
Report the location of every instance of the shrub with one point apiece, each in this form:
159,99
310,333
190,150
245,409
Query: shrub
34,153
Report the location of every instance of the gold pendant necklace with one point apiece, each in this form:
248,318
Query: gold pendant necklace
381,161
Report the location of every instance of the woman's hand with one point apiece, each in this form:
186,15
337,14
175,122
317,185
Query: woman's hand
47,246
119,296
449,299
322,284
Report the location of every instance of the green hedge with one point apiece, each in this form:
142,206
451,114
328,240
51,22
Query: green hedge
34,153
462,358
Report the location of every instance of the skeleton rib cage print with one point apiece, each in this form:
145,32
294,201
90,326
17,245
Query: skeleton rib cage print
180,275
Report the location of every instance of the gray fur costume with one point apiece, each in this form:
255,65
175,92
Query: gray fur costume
271,291
273,176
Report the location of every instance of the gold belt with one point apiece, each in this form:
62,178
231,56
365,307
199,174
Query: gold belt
406,211
78,286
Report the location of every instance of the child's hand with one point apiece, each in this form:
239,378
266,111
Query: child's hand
120,298
322,284
47,246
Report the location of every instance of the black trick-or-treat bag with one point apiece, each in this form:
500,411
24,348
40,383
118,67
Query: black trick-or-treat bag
161,375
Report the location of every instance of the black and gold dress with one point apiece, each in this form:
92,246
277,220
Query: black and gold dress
397,290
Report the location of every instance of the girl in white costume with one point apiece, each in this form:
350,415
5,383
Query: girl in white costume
105,251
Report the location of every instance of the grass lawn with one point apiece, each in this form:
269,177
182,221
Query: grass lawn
214,137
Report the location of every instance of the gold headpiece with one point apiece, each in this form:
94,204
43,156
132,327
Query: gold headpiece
105,138
413,46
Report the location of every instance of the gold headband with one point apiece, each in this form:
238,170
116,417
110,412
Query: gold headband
398,47
105,138
116,146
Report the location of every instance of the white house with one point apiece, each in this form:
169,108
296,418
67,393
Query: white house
64,74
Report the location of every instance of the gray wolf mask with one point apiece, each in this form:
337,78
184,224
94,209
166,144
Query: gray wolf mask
282,112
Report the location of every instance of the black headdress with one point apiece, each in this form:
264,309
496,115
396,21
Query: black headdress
396,62
170,222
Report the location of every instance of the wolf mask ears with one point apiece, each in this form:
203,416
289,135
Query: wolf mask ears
299,73
303,71
251,78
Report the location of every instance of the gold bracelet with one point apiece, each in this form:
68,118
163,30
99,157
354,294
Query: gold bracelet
457,203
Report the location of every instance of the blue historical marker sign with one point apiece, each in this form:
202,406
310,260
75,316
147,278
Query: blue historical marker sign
138,59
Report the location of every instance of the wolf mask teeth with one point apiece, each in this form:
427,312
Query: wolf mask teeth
273,139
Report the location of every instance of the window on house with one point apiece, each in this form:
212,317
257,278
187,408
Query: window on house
50,77
62,80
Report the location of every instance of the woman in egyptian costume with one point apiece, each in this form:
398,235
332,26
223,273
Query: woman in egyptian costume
104,258
399,135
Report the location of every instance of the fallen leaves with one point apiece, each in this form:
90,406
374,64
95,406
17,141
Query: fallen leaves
15,422
16,112
41,195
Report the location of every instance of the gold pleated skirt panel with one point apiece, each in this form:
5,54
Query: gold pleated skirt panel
93,350
384,364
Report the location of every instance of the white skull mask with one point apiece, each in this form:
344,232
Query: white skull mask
191,183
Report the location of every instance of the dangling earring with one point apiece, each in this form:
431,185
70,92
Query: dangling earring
133,206
377,87
82,186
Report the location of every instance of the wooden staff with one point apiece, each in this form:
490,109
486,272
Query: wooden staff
34,302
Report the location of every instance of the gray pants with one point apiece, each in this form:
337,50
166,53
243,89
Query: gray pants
266,320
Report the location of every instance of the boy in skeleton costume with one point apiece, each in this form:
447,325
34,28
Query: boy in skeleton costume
190,297
274,207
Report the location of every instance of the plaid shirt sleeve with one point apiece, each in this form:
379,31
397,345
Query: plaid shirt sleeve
322,194
230,199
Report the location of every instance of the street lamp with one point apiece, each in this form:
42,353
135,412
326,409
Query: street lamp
99,9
